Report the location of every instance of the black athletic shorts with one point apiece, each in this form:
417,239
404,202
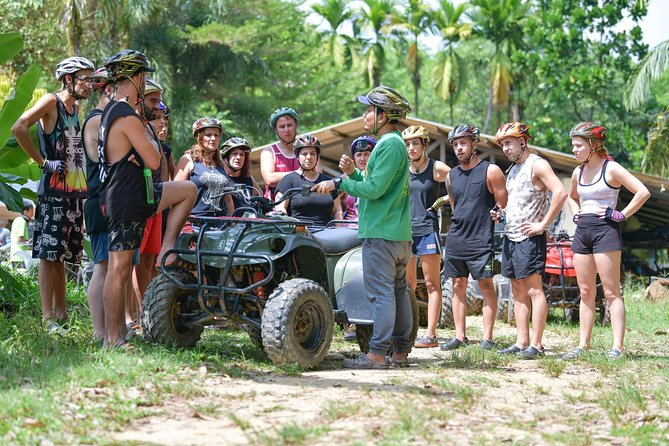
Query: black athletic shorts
525,258
595,235
479,268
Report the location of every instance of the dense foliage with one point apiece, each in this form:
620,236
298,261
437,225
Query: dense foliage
549,63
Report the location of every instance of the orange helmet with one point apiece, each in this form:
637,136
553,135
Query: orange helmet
515,129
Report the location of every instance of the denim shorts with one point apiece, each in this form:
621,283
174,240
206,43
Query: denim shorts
426,244
100,248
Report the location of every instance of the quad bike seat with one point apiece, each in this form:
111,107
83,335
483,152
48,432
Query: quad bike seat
336,241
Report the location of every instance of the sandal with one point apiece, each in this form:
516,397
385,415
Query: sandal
399,363
362,361
426,342
614,354
576,353
124,345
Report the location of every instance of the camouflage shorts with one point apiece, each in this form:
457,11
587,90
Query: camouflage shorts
126,235
59,230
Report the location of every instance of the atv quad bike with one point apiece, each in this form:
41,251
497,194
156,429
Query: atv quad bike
266,274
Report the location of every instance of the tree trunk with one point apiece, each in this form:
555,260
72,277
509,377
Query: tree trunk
488,113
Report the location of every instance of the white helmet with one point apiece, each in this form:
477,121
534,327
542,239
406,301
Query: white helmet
72,65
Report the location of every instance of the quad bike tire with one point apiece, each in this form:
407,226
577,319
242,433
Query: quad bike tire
162,304
255,334
602,310
298,323
363,333
474,304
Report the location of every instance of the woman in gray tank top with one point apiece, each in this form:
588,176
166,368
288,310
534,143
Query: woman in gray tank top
597,243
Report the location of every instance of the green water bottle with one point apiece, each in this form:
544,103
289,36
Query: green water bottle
148,180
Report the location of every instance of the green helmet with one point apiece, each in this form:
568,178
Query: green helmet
235,143
126,63
389,100
282,111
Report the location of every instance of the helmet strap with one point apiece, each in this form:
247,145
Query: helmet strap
376,128
469,160
70,88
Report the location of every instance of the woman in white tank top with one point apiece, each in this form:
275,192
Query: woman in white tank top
597,244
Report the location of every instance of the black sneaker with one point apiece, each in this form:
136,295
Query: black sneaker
453,344
487,344
510,350
530,353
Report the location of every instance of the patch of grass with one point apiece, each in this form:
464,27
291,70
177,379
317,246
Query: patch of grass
474,358
551,366
540,390
466,394
621,400
335,410
482,380
290,434
239,422
207,409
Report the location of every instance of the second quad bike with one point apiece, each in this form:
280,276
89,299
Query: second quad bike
270,275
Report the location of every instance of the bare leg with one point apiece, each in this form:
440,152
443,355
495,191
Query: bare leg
95,303
489,307
608,266
48,281
521,312
431,264
535,291
118,276
586,272
142,275
459,304
181,196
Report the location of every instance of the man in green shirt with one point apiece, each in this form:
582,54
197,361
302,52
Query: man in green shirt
384,223
21,235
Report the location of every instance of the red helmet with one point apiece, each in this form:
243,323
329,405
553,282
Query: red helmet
515,129
307,141
589,130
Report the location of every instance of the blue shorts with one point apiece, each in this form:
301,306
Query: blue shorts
523,259
426,244
479,267
100,248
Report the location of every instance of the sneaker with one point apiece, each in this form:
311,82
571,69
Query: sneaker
349,336
54,328
362,361
487,344
426,342
614,354
454,343
530,353
573,354
510,350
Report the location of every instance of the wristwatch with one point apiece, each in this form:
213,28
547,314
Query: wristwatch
337,182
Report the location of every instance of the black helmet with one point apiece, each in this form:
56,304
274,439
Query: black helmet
389,100
307,141
464,131
126,63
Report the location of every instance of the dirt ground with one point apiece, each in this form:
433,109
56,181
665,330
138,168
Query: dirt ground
516,404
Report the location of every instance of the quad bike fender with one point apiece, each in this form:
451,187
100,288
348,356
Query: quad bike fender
350,295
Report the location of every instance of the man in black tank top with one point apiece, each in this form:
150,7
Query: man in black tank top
474,188
127,198
58,222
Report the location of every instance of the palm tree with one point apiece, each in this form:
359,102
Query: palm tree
654,65
412,21
370,18
339,47
449,72
500,22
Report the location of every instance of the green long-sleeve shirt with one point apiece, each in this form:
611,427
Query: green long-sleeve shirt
384,210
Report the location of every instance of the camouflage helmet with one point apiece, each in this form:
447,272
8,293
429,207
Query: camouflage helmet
126,63
394,105
235,143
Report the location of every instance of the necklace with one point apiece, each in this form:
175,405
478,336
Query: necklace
417,169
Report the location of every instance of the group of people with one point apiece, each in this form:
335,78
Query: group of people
137,202
398,195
